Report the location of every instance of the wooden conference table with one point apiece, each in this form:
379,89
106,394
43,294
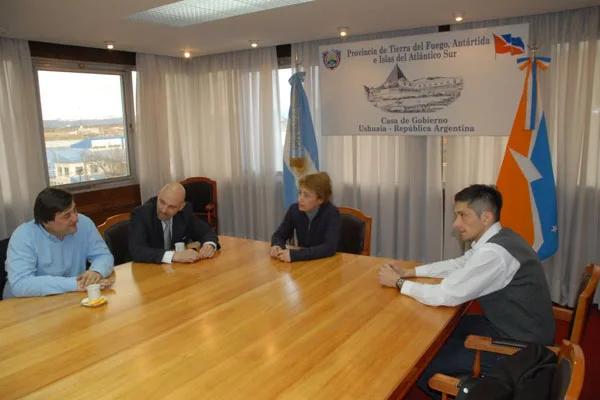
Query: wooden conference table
239,326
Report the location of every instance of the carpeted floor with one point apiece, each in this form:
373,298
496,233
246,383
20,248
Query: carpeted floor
591,351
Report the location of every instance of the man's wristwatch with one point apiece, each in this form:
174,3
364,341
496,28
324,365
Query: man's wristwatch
399,283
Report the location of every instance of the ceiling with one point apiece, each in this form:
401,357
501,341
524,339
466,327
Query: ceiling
92,22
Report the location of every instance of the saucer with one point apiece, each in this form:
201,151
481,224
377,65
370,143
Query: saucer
85,302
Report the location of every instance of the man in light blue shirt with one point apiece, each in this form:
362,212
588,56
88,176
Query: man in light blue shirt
48,255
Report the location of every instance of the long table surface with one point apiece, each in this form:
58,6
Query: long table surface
238,326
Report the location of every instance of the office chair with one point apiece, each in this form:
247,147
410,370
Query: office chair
201,192
355,232
566,383
115,231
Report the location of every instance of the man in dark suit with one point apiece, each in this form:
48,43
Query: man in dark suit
165,220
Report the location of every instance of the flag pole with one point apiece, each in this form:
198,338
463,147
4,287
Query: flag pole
533,47
298,62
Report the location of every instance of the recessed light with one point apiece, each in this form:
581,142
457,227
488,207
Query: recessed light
110,44
187,54
253,43
459,16
343,31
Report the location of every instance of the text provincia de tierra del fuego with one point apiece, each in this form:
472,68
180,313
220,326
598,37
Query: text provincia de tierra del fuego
419,51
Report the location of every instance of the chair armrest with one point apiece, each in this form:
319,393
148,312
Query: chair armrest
500,346
483,343
445,384
509,343
562,314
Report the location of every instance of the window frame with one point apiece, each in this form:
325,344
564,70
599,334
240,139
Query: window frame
127,97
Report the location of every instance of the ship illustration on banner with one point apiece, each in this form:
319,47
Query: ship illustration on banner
400,95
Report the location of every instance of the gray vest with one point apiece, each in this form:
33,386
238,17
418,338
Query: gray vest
523,309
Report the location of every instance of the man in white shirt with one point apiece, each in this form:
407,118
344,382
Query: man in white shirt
501,270
164,220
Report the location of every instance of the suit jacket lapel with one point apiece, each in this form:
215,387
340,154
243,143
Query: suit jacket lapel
157,231
178,228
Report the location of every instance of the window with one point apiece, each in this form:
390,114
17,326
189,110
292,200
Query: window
87,118
284,100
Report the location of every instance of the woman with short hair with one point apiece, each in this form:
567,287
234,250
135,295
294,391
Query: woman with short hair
314,218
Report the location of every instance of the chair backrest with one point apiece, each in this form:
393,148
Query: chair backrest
200,191
355,232
570,370
3,250
115,231
585,294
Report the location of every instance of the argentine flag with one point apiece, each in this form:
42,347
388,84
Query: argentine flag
300,155
526,178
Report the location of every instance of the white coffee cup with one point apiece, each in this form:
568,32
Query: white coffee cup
179,246
93,292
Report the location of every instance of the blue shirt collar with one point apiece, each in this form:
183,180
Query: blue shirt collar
51,236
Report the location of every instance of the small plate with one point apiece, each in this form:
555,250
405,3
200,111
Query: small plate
85,302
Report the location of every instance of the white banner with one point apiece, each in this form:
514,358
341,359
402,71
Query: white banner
450,83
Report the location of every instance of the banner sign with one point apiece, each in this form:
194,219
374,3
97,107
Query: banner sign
450,83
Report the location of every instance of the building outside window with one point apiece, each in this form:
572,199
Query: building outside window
87,115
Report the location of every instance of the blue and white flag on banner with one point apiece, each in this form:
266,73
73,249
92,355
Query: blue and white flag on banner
300,155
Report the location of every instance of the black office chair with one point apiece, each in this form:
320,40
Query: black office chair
355,232
202,194
115,231
3,250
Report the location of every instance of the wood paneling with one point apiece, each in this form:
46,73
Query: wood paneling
238,326
78,53
104,203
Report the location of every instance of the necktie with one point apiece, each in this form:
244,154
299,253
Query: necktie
167,235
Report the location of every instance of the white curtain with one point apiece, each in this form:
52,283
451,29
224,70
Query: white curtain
571,100
396,180
214,116
22,171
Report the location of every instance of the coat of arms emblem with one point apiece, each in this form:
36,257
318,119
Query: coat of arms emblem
332,58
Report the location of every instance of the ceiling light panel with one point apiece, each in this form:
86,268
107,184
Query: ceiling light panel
192,12
177,14
269,4
227,7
